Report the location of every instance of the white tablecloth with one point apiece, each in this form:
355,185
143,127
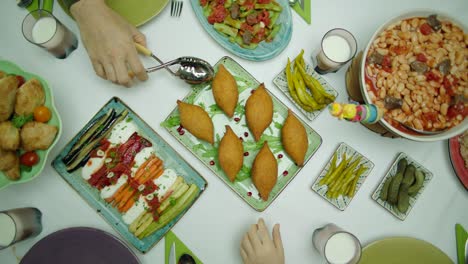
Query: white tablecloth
216,223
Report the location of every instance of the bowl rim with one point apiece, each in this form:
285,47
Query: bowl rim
452,132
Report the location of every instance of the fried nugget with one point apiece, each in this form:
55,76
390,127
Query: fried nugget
294,139
264,171
14,172
2,74
9,164
36,135
9,136
8,88
29,96
196,121
225,91
231,154
259,111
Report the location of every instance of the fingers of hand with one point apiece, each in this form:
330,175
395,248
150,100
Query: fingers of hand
244,256
253,237
110,72
137,67
277,240
138,37
122,73
99,69
263,232
246,245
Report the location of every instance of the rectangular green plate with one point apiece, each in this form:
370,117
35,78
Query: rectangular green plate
91,195
202,95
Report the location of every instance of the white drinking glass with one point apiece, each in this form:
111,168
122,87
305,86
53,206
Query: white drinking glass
19,224
45,30
337,48
336,245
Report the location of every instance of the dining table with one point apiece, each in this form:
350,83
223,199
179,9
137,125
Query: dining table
216,223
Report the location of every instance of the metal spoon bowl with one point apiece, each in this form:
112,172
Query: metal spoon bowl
186,259
292,2
192,70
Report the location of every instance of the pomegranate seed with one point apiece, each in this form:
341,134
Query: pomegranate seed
246,134
212,163
249,194
181,132
285,173
179,128
280,156
246,154
237,119
253,91
241,138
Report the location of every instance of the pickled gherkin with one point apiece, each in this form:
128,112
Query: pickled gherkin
403,199
417,185
384,191
394,188
408,178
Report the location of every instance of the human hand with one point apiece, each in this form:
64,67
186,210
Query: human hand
258,248
109,40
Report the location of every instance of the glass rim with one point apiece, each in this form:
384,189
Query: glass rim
354,238
350,57
16,231
37,11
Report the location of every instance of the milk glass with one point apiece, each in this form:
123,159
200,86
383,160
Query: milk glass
44,30
338,46
336,245
18,225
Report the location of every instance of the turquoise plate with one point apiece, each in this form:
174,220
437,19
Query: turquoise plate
110,214
202,96
265,50
26,176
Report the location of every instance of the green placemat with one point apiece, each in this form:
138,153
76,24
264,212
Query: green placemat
180,247
461,236
47,5
302,7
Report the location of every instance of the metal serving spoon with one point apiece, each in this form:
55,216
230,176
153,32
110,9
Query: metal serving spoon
292,2
422,132
192,70
186,259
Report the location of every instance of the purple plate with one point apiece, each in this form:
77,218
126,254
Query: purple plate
80,245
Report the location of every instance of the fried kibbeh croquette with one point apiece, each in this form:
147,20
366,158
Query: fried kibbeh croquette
8,89
13,173
9,136
231,154
264,171
2,74
294,139
196,121
29,96
259,111
7,159
225,91
36,135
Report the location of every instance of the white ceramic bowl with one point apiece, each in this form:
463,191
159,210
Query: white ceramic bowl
454,131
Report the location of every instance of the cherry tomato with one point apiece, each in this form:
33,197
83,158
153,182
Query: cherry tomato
42,114
21,80
29,158
425,29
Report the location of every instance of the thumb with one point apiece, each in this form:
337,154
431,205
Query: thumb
138,37
277,240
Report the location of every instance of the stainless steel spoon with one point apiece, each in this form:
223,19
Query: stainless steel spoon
292,2
422,132
186,259
192,70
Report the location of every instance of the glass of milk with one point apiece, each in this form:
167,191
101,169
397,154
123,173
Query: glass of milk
338,47
19,224
336,245
44,30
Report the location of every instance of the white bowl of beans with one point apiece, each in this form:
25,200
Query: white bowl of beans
415,68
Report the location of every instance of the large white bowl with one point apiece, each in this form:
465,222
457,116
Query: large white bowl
454,131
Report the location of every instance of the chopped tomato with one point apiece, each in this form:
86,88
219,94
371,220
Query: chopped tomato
457,109
220,2
399,49
421,57
218,14
29,158
449,82
246,27
42,114
21,80
387,64
431,76
425,29
430,116
249,4
264,17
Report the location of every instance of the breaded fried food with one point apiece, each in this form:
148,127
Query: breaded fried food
9,136
259,111
264,171
8,88
231,154
36,135
7,159
196,121
14,172
294,139
2,74
29,96
225,91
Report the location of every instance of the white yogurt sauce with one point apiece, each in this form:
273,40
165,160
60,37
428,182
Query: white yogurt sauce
164,182
93,165
110,190
141,157
122,132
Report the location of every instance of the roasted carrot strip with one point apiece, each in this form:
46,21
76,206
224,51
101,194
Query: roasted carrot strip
141,170
149,171
128,205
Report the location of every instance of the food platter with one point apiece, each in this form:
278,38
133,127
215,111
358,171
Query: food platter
265,50
207,154
173,185
386,122
457,160
55,120
391,173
